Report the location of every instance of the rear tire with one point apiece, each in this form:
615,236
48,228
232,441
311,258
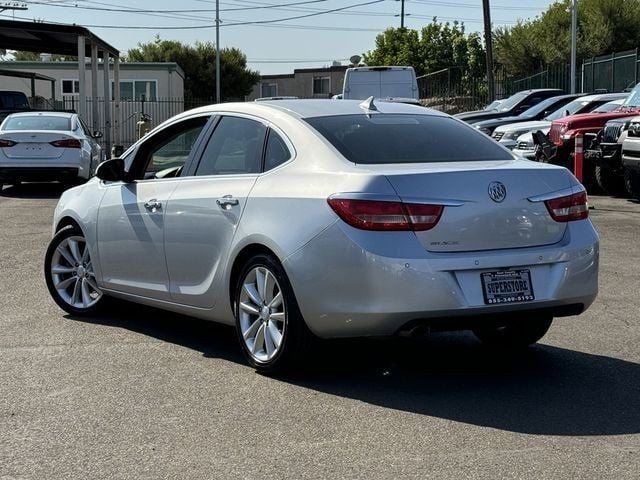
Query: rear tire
632,183
270,328
609,181
517,334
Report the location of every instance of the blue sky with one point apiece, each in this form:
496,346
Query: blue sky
277,47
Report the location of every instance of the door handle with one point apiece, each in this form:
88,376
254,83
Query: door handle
153,205
227,202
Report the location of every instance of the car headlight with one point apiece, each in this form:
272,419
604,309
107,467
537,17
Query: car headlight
513,135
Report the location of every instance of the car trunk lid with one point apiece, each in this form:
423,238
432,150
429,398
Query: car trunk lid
32,144
473,220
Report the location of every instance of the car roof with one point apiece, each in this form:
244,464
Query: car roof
45,113
604,97
317,108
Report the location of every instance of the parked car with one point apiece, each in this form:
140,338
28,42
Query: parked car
537,112
390,83
47,146
563,131
631,158
12,102
508,135
514,105
302,218
493,105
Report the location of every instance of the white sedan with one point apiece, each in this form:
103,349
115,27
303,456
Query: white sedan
47,146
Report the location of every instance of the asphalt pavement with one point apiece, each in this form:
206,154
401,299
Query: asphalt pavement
139,393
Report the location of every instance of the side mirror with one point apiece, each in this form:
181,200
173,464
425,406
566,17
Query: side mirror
111,170
96,134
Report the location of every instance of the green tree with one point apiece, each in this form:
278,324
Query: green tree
604,26
20,55
198,63
436,46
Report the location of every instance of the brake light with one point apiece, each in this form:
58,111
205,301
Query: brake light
67,143
7,143
386,215
569,208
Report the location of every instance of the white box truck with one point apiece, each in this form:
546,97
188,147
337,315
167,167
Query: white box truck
397,84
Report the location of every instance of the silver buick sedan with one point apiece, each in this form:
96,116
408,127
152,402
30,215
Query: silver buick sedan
298,219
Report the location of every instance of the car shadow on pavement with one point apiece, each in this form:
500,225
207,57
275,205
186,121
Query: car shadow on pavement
544,390
34,190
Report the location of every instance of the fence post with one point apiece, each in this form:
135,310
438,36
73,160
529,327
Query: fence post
578,157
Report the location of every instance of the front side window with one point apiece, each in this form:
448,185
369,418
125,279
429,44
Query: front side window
168,150
406,138
235,147
321,85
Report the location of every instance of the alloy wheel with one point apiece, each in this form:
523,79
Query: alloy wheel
262,314
72,273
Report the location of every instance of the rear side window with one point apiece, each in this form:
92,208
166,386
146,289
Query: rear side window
276,153
406,138
38,122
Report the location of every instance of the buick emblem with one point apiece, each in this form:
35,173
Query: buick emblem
497,191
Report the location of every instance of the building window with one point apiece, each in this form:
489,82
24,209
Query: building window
269,89
321,85
70,87
136,89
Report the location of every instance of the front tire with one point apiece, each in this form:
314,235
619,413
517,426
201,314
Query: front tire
632,183
609,181
269,325
516,334
69,274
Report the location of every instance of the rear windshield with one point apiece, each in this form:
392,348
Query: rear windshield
406,138
38,122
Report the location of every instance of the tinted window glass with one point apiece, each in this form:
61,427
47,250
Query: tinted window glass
38,122
235,147
276,153
512,101
571,107
389,138
173,146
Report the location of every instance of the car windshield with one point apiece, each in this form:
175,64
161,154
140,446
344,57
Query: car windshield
406,138
633,100
38,122
607,107
571,107
512,101
493,105
539,108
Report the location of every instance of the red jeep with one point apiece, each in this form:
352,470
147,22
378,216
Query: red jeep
564,131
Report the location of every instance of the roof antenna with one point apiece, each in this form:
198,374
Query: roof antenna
369,105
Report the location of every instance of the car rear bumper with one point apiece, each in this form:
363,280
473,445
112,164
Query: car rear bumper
38,174
346,288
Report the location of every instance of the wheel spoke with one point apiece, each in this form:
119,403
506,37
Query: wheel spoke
66,254
276,301
75,298
260,282
75,250
251,331
247,307
59,269
85,253
258,343
277,316
253,293
64,284
86,295
93,284
268,342
274,335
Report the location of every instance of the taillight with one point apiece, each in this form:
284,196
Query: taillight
569,208
67,143
386,215
7,143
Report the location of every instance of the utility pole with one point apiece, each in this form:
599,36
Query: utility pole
401,13
574,36
217,51
489,48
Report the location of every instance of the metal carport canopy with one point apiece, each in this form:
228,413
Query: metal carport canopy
78,41
50,38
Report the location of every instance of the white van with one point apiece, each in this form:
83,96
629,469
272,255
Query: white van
389,83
